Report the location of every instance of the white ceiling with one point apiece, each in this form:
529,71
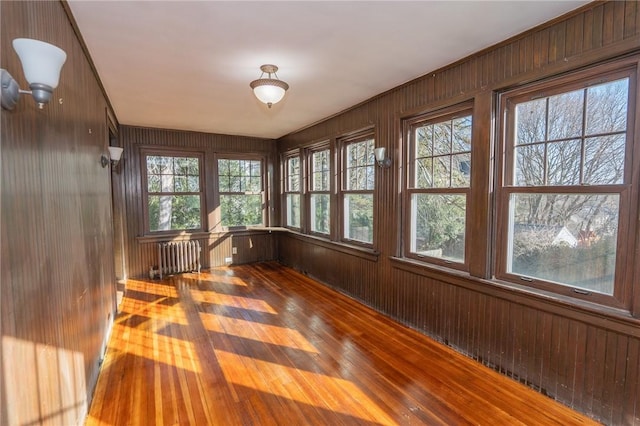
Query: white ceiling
187,64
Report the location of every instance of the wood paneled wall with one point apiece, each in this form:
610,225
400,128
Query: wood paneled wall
252,246
57,269
589,362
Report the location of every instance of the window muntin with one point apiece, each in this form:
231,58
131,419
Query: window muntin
173,192
439,185
241,190
292,191
319,191
567,186
358,180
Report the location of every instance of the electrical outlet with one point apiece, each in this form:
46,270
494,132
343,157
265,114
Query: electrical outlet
234,250
228,259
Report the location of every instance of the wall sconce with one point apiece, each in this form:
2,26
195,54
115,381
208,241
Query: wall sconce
41,63
381,158
269,90
115,154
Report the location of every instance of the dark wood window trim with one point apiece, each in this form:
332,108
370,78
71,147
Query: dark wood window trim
622,297
410,187
289,191
342,145
311,191
146,151
216,214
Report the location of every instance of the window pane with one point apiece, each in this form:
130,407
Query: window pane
424,173
442,138
320,170
531,121
569,239
461,170
193,184
320,213
424,141
174,212
438,225
293,174
604,160
563,163
241,210
461,134
442,171
607,107
358,217
565,115
529,167
153,183
293,210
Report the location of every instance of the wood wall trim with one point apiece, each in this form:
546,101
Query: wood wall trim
616,320
362,252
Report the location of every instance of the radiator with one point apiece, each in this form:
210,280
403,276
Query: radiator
179,256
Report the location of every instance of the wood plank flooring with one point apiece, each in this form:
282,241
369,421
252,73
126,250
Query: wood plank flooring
264,345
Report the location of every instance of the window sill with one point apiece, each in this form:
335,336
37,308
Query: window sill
362,252
200,235
618,320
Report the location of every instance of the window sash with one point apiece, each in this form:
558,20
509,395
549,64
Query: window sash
241,203
151,207
616,293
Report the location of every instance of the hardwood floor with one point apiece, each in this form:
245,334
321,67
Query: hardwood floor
264,345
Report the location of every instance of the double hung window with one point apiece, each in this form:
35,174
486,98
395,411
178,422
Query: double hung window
173,191
292,191
319,191
241,191
358,179
566,192
438,185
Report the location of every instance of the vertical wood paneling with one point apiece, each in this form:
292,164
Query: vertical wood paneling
57,265
591,369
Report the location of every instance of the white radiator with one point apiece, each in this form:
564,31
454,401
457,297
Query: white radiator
179,256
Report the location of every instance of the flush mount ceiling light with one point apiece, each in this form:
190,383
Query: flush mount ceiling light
41,63
269,90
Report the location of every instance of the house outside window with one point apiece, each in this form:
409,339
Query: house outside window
241,191
438,185
358,180
172,191
566,191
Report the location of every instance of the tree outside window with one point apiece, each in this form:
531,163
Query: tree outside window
566,183
241,189
292,191
439,184
358,179
173,192
319,191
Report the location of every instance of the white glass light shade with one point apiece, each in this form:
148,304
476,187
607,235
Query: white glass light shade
115,153
41,62
269,94
380,154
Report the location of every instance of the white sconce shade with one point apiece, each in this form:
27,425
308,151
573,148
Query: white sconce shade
380,154
115,153
41,62
269,90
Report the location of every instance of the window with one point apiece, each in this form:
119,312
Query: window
292,191
173,192
358,178
241,188
319,191
438,185
566,190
